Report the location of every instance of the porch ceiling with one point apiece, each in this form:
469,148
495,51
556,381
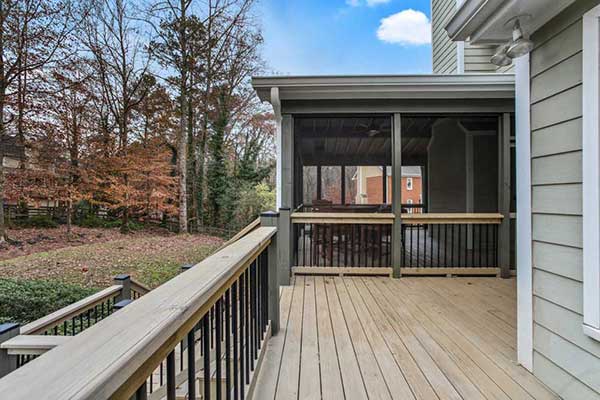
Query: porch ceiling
344,140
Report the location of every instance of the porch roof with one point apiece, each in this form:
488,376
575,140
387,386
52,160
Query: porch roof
381,87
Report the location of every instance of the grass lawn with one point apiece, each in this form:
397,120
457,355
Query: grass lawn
51,271
96,256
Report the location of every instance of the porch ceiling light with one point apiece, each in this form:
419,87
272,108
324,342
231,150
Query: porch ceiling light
519,45
500,58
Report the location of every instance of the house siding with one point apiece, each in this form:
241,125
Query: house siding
564,358
477,58
444,52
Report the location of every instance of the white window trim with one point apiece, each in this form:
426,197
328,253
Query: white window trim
409,183
591,173
524,233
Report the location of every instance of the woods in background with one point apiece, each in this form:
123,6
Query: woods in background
144,110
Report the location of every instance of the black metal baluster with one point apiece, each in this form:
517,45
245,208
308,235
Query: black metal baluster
191,361
439,244
234,333
452,245
228,344
418,243
430,230
218,327
181,349
206,339
251,292
248,320
243,333
171,376
304,245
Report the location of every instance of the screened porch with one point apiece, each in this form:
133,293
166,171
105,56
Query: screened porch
345,203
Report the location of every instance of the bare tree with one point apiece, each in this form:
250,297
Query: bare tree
116,43
31,34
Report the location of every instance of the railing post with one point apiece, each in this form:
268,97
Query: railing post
272,218
125,281
7,363
284,234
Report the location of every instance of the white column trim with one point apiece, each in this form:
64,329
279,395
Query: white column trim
524,218
591,173
276,102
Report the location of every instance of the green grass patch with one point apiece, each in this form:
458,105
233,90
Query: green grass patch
24,301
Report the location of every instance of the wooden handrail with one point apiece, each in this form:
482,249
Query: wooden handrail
451,218
139,287
342,218
388,218
113,358
33,344
51,320
249,228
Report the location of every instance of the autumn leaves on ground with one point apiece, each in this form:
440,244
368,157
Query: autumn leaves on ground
94,256
42,271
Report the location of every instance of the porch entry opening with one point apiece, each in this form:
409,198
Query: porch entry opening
344,208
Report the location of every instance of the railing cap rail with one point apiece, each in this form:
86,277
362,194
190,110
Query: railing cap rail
39,325
118,353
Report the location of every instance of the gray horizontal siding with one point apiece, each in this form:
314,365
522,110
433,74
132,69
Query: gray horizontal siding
443,49
564,357
477,58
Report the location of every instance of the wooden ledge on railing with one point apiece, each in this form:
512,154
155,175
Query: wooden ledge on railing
33,344
139,287
452,218
49,321
342,218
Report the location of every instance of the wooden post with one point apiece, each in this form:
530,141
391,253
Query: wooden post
124,281
504,194
284,248
397,195
7,363
271,218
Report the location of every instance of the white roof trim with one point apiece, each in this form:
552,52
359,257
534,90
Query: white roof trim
467,86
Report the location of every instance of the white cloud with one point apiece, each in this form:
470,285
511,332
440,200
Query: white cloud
370,3
408,27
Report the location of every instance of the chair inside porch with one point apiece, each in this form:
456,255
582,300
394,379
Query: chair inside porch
409,338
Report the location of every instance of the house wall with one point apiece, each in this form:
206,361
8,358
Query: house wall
564,358
375,190
477,58
444,50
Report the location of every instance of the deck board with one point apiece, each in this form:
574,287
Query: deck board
410,338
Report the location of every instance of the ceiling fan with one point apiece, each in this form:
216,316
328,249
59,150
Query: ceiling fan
371,129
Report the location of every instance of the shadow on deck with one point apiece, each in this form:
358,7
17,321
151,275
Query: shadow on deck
410,338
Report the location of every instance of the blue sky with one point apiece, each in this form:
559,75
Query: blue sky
328,37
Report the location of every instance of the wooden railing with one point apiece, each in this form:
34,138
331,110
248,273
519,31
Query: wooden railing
207,327
342,242
35,338
361,243
451,244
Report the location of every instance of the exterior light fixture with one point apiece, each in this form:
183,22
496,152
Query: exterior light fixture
500,58
519,45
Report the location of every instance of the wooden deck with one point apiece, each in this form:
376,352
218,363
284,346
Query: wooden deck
409,338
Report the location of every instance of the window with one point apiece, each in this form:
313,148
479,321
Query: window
410,209
591,173
409,184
